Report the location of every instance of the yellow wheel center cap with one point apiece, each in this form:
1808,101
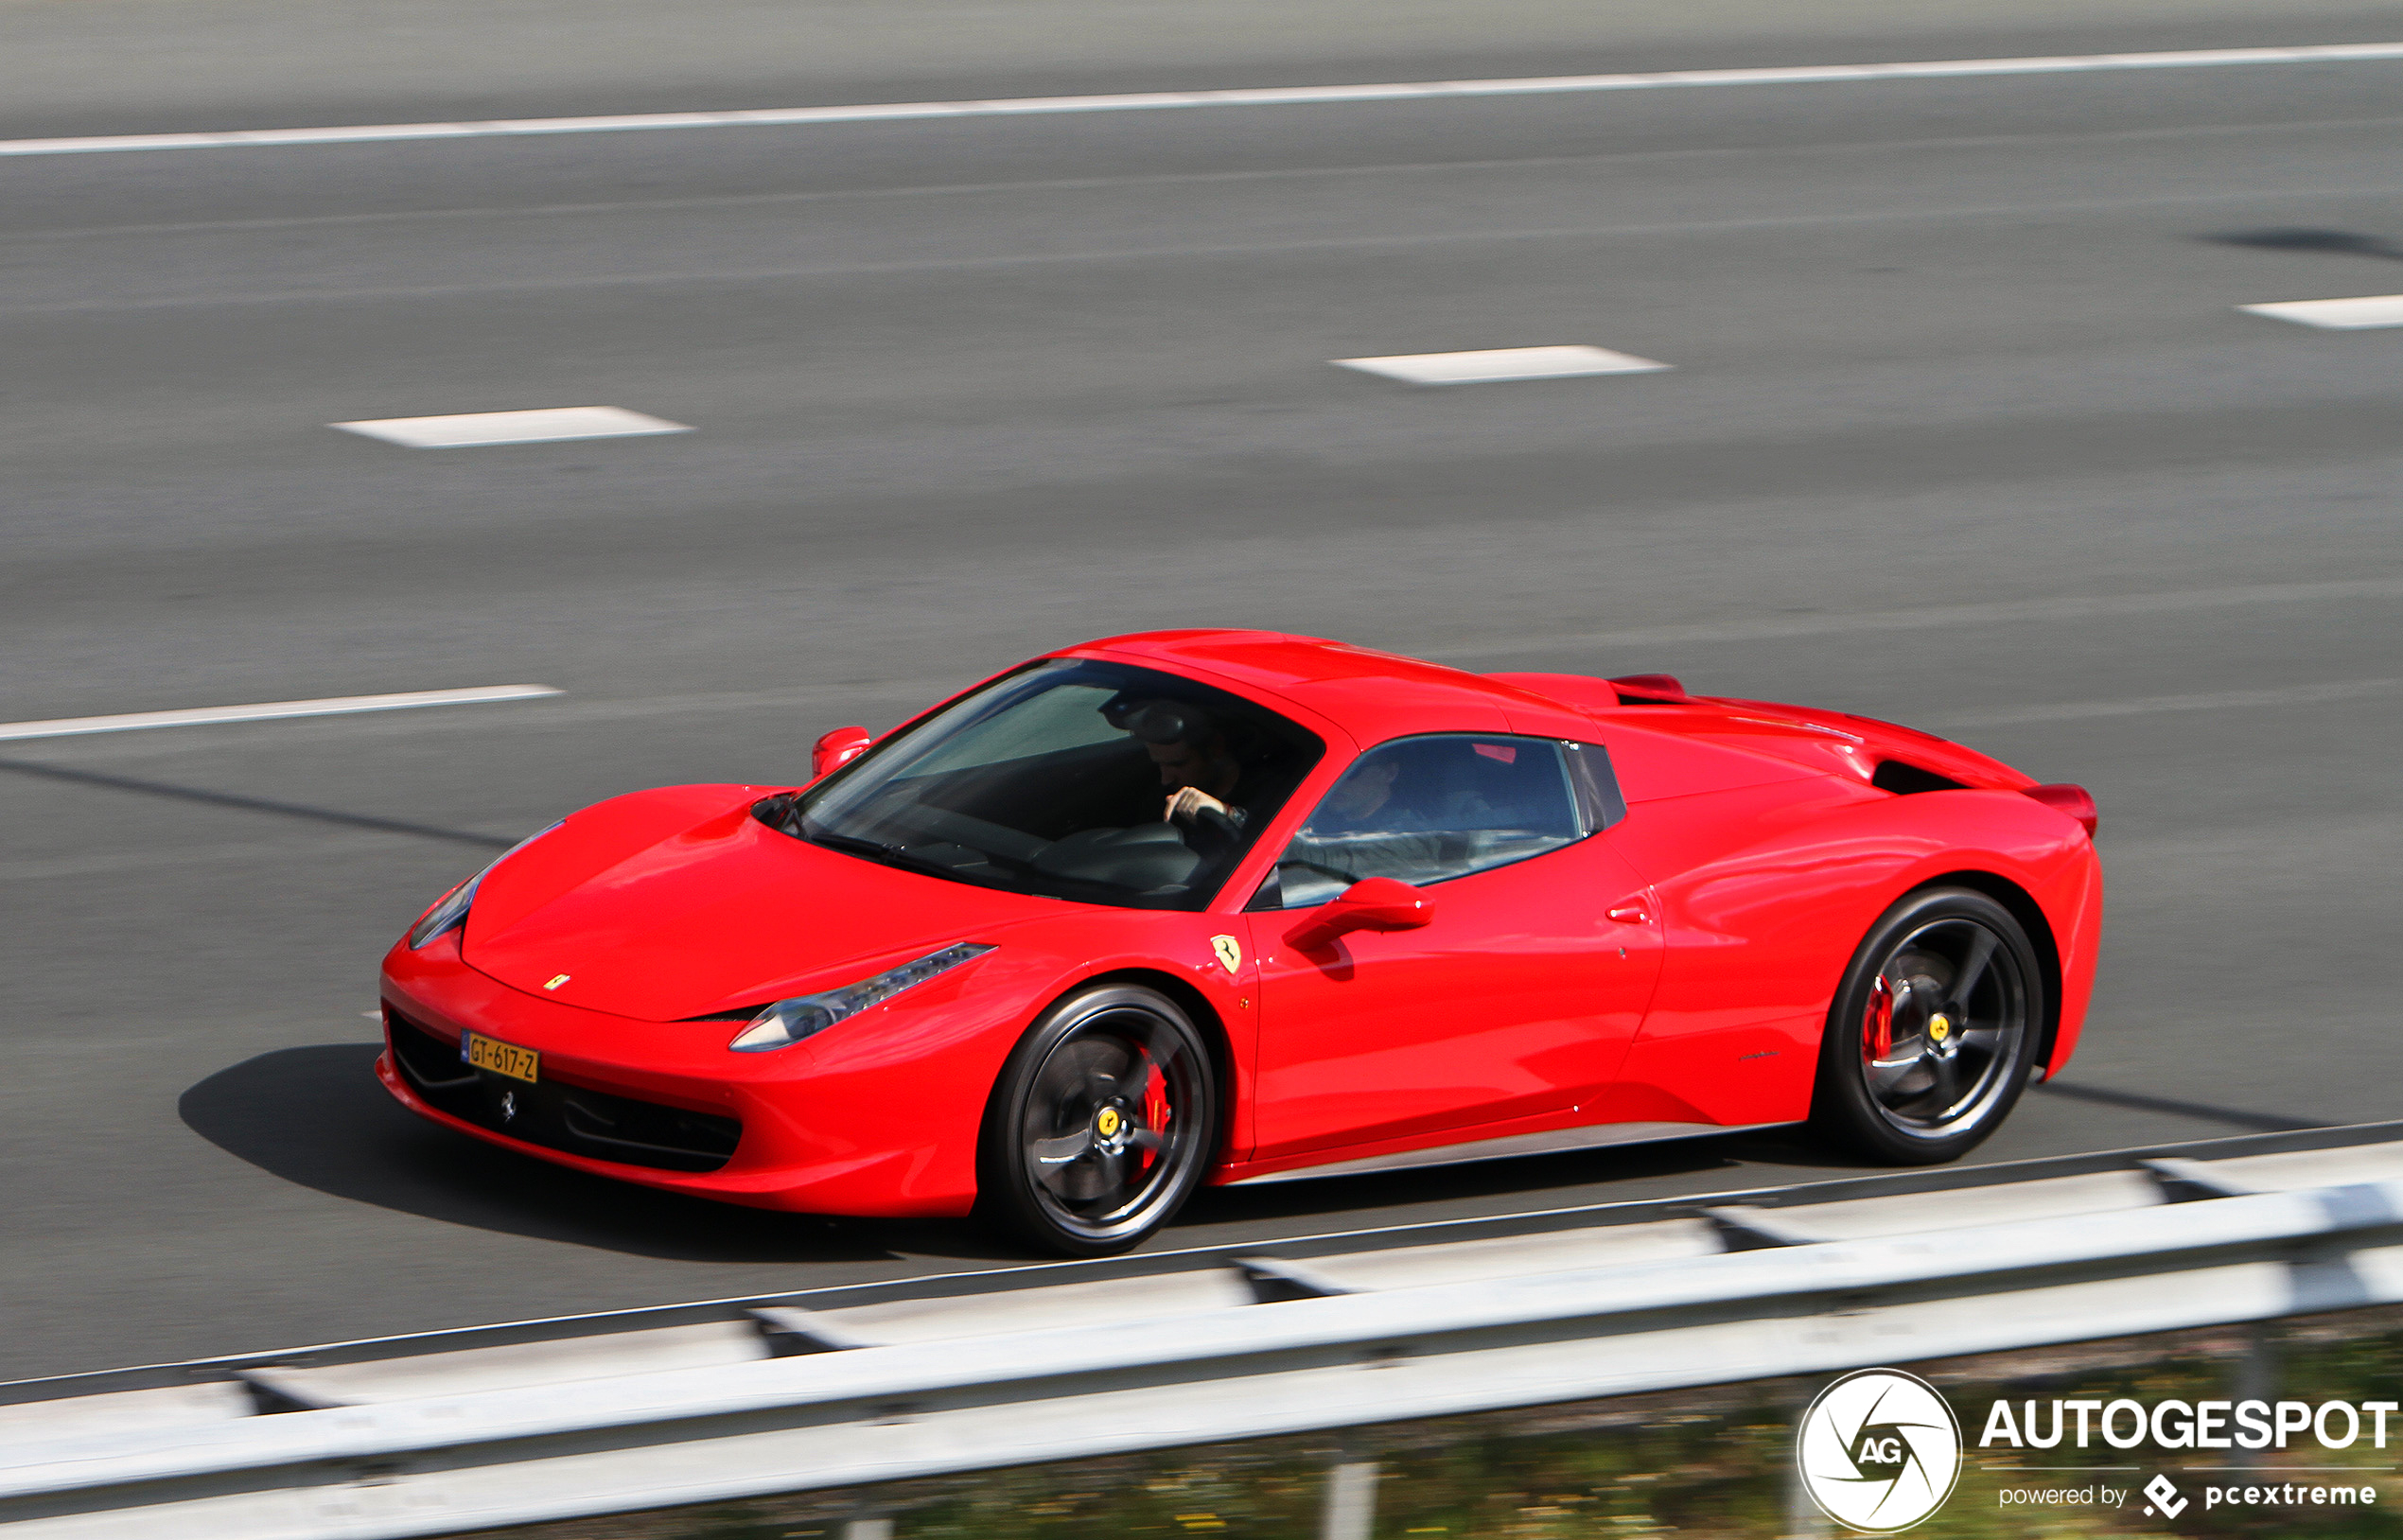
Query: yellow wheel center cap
1939,1028
1107,1124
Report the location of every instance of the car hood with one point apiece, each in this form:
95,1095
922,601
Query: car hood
675,903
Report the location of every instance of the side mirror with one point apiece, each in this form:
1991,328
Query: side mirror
837,749
1373,903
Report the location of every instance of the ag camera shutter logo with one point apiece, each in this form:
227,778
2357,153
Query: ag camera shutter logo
1878,1450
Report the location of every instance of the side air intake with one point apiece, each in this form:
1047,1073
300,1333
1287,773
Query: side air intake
1904,779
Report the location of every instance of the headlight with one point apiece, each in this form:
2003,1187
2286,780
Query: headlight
450,911
787,1021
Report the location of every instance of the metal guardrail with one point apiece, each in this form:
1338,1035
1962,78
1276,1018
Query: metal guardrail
1060,1364
961,1285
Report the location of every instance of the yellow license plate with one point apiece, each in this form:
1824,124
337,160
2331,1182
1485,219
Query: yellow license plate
501,1057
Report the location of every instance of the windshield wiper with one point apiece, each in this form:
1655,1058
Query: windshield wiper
875,849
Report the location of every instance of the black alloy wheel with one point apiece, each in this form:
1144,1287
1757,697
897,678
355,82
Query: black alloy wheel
1105,1119
1934,1031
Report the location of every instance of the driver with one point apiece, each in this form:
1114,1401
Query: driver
1206,783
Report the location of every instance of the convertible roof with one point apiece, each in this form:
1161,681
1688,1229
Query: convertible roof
1380,694
1276,661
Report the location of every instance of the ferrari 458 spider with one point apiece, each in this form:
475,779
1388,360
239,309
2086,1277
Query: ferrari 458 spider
1234,906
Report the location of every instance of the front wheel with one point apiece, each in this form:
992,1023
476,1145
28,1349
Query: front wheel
1102,1124
1934,1031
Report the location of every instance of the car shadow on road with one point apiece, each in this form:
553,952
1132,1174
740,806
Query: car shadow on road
2333,242
316,1116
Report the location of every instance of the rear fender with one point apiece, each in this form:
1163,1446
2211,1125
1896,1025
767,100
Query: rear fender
1765,894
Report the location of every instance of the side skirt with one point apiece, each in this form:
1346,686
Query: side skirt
1551,1143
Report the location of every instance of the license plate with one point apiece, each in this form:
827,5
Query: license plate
501,1057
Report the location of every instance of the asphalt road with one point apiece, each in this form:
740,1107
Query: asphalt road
1964,430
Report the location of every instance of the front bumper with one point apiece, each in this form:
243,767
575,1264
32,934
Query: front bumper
554,1113
666,1104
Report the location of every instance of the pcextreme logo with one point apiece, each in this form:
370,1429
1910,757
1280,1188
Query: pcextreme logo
1878,1450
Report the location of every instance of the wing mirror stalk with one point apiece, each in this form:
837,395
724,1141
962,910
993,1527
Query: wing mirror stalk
1373,903
837,749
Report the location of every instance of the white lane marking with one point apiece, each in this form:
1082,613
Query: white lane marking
547,424
1500,363
2218,700
2336,315
1158,100
1279,173
1934,617
250,852
270,711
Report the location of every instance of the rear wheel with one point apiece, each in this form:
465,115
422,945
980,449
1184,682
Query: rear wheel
1102,1124
1934,1031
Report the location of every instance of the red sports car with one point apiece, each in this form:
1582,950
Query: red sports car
1237,907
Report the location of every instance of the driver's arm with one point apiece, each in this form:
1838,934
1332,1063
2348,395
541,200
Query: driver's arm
1216,825
1190,802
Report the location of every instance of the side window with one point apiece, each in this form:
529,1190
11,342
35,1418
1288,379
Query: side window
1424,809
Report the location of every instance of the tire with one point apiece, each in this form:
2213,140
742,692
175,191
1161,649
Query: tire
1914,1068
1104,1121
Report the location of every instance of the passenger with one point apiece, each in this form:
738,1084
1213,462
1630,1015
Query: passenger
1359,802
1360,831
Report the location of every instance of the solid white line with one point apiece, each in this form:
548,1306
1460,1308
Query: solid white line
1158,100
1489,365
270,711
2336,315
545,425
1159,179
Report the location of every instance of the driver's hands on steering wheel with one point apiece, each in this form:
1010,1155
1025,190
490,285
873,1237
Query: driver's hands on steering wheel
1189,802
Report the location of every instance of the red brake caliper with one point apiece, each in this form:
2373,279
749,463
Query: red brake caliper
1155,1108
1877,1025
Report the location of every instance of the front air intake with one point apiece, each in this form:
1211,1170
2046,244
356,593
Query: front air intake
578,1120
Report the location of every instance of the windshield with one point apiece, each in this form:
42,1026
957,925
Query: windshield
1072,779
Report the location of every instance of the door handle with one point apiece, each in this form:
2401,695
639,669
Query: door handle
1630,914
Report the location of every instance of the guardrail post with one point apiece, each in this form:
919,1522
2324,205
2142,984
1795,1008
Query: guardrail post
1803,1520
2257,1375
1351,1502
868,1529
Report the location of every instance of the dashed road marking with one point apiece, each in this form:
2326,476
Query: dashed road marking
1270,97
1488,365
2335,315
547,425
270,711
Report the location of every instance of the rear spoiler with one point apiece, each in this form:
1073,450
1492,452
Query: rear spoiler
2075,800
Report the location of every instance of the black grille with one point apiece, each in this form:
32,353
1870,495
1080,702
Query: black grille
557,1115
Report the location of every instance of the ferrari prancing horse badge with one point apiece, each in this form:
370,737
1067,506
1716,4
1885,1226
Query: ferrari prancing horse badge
1230,952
